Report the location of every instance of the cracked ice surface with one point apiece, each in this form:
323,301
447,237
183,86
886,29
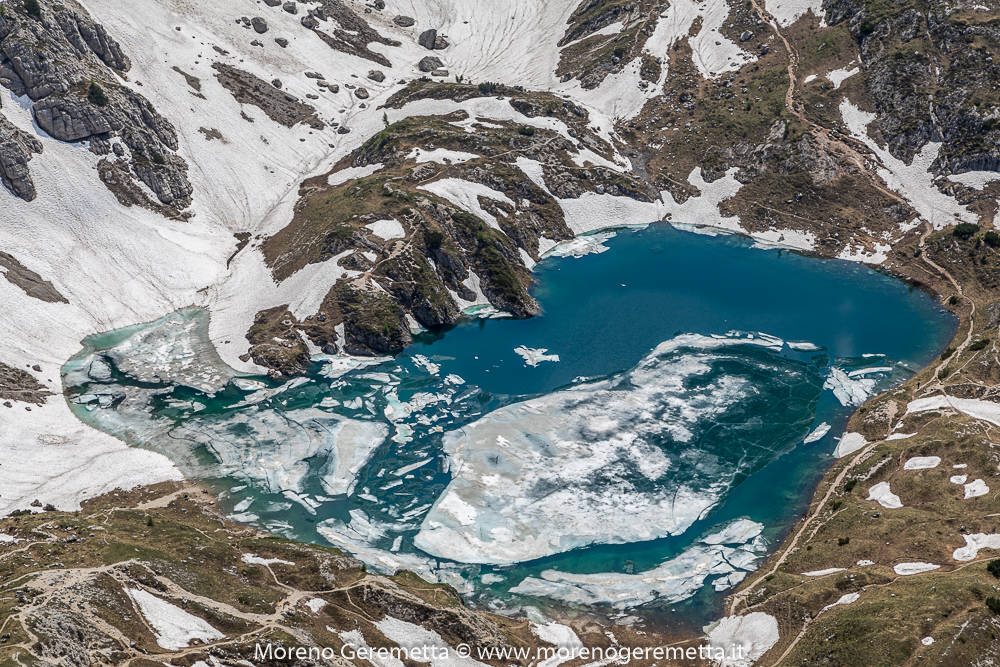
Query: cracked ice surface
175,347
635,457
276,450
674,580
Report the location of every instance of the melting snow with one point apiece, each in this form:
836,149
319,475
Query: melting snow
844,599
387,229
973,543
886,498
976,489
906,569
922,463
850,443
174,627
754,633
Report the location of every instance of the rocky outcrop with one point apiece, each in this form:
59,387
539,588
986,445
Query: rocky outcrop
29,281
279,106
19,385
429,64
62,61
427,38
373,323
350,34
16,149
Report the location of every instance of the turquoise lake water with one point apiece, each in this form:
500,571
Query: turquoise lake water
602,314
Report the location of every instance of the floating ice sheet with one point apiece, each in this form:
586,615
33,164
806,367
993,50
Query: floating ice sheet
676,579
634,457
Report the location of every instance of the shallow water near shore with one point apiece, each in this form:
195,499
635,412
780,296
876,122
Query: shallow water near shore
451,459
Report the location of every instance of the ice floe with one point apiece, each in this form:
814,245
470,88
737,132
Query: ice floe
922,463
849,390
174,349
883,496
534,356
676,579
613,461
803,346
817,433
581,246
906,569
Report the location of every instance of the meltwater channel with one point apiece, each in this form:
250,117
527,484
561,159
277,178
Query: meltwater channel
637,447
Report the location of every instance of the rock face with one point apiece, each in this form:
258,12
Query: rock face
16,149
427,38
77,98
259,25
429,64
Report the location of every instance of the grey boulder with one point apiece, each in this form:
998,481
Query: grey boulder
429,64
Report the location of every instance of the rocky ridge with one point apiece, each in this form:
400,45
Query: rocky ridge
70,70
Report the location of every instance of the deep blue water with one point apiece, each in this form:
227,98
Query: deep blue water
602,313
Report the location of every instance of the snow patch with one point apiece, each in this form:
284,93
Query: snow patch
922,463
883,496
906,569
174,627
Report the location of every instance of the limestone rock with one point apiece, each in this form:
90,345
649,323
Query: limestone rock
429,64
16,149
426,39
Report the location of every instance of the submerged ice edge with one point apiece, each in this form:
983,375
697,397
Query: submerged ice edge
284,439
